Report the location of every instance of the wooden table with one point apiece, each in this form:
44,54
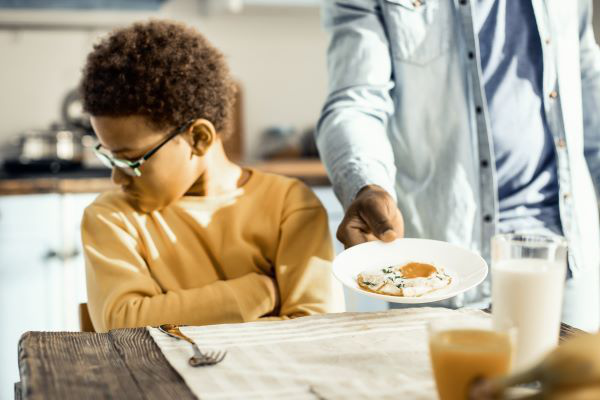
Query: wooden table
120,364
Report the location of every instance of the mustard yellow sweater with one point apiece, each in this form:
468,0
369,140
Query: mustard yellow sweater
262,251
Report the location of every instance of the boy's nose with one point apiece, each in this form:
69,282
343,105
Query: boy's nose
119,177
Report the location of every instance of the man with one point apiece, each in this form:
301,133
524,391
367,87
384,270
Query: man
455,120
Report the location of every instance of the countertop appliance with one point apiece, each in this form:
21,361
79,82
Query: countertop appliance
64,146
45,150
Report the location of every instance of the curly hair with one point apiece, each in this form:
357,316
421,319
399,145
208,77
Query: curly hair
161,70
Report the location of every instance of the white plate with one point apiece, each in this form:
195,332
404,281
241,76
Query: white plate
466,268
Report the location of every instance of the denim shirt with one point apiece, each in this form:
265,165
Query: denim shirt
510,53
406,110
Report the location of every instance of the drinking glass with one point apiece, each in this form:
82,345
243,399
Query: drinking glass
528,277
463,350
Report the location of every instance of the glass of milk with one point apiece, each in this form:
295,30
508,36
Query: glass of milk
528,278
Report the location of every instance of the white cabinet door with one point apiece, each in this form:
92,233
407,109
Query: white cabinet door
354,301
73,265
42,277
28,295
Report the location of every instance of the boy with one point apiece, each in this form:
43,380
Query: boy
191,238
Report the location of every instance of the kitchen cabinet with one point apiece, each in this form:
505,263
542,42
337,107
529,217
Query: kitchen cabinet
209,7
42,277
108,14
82,4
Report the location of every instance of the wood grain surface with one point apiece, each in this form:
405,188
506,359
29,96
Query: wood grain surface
121,364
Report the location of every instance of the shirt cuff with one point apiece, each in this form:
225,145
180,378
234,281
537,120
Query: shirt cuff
349,181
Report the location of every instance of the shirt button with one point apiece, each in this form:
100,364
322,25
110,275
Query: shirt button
547,41
566,196
487,218
485,163
471,55
553,94
478,109
561,143
463,2
417,3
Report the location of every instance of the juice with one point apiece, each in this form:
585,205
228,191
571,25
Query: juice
460,356
528,294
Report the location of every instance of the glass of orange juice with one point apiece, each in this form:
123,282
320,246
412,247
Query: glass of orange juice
463,350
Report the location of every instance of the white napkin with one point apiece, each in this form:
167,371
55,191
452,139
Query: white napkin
381,355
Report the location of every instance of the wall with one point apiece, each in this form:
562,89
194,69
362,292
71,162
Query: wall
277,54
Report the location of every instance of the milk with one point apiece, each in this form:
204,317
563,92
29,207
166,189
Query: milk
528,293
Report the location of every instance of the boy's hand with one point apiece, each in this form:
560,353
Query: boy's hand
372,215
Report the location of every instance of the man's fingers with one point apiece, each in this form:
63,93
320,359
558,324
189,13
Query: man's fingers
351,233
398,223
388,235
383,219
372,215
354,237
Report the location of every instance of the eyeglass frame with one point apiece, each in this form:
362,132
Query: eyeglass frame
134,166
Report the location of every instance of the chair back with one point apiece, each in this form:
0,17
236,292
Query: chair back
85,322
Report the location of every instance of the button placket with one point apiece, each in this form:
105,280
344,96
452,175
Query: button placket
554,116
487,185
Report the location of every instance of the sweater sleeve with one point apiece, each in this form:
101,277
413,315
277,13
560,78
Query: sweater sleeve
123,293
303,261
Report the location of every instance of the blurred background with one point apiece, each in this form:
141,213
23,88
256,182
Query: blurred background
276,50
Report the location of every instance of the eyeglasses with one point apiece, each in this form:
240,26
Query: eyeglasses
132,168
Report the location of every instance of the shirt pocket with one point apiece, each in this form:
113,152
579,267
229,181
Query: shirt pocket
418,31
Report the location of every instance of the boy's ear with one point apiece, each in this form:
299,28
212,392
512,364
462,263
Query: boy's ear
201,135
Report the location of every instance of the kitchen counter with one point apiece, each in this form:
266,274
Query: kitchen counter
311,171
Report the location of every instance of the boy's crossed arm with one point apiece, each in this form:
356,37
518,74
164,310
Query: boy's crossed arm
303,260
122,292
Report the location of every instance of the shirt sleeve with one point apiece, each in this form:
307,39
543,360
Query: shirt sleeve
303,258
352,132
590,79
122,292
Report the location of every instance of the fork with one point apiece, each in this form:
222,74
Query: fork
199,359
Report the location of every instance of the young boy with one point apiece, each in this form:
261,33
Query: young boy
191,238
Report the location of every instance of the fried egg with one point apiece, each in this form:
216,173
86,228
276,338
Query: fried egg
407,280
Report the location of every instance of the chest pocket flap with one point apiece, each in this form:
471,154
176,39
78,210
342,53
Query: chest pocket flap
418,30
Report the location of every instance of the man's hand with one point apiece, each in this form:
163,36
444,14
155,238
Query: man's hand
372,215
